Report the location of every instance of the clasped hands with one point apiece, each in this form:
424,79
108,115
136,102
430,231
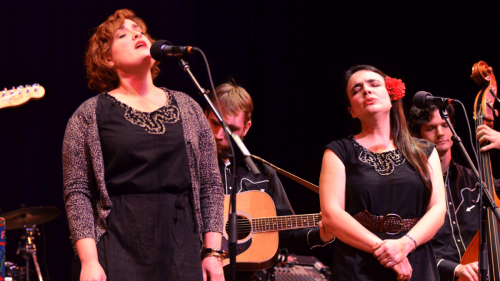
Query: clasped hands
393,253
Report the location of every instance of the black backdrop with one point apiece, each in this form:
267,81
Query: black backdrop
290,56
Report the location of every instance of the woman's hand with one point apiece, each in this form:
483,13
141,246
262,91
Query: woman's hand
485,133
92,271
403,270
212,267
392,251
87,252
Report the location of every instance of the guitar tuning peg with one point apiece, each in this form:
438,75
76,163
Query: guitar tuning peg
489,104
493,91
28,89
35,86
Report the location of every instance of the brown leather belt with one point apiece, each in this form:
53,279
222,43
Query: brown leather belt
391,223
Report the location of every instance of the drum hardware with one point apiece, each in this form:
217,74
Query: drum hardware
12,272
28,218
28,249
15,273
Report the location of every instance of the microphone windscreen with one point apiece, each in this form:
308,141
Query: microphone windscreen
419,99
156,51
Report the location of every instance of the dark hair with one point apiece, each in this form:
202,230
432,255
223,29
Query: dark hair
233,99
101,77
411,149
417,117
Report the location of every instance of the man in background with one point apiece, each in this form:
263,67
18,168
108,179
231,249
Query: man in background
462,216
237,108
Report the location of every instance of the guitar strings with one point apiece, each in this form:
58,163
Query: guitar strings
277,223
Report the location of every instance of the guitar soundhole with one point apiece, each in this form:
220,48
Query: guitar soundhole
244,227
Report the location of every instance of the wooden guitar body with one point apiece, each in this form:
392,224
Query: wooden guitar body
255,251
257,229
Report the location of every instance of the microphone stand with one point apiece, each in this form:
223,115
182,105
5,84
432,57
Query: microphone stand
233,238
485,200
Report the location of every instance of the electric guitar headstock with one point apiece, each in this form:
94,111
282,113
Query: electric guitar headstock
20,95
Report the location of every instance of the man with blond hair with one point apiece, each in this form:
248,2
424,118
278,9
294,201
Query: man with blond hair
237,109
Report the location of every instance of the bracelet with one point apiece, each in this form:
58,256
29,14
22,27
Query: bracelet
213,252
414,242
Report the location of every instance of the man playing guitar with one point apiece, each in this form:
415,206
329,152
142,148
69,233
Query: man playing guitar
237,108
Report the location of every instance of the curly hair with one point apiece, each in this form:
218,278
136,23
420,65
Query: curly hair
418,117
410,148
101,77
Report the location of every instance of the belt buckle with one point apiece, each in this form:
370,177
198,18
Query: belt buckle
400,219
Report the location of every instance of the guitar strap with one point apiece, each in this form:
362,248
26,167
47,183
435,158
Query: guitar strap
289,175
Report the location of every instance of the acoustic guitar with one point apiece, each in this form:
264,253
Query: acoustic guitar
257,228
20,95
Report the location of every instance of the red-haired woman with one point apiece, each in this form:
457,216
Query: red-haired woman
381,191
142,188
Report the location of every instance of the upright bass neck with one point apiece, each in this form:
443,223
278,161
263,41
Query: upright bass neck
484,114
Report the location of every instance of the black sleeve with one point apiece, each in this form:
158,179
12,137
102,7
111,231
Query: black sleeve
340,148
446,269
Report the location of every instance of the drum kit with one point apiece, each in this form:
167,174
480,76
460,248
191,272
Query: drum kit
27,219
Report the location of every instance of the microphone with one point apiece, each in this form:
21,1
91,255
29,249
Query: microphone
424,99
161,50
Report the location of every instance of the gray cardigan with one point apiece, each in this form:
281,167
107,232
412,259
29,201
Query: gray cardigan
85,195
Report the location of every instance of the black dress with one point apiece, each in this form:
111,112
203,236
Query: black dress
151,232
382,183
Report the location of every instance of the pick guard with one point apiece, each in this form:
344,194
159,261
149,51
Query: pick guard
241,247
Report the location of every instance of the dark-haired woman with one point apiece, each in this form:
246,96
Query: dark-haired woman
381,191
142,188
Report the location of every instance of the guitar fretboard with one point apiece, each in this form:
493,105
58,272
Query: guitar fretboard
284,222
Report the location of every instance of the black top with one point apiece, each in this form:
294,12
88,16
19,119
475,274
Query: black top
461,221
151,230
382,183
140,148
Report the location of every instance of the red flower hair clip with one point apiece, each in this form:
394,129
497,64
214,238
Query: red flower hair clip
395,87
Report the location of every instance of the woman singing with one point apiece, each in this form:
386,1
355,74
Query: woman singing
142,188
381,191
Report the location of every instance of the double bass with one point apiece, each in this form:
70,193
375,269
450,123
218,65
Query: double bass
484,114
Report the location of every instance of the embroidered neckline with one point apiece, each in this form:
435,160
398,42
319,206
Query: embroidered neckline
153,122
383,162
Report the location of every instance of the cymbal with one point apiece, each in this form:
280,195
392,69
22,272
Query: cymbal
29,216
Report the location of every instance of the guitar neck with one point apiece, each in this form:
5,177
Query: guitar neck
20,95
284,223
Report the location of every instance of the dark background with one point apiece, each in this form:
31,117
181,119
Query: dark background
289,55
